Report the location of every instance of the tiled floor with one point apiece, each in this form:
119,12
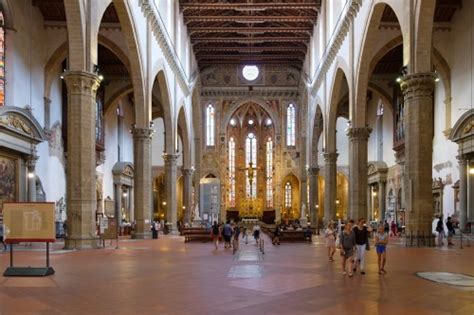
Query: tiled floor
166,276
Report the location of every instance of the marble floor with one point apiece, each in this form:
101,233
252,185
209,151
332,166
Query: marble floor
167,276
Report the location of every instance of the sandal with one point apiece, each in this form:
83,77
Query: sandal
383,270
350,275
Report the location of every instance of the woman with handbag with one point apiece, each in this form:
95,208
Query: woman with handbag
362,244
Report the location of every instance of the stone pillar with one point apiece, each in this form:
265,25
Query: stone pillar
330,186
358,182
118,205
31,164
382,200
81,195
188,186
142,181
132,204
171,201
313,195
463,162
369,202
418,96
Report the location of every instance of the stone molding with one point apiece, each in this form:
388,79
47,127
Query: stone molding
162,37
330,53
170,159
358,133
330,157
81,82
142,133
31,161
418,85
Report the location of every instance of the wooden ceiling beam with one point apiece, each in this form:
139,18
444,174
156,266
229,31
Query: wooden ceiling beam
248,19
245,40
249,49
196,30
250,57
250,6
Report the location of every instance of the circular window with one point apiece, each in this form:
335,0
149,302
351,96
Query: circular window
233,122
251,122
250,73
268,122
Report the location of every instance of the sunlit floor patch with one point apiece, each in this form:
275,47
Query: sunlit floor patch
454,279
245,272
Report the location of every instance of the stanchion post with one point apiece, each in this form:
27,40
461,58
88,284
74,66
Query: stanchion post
11,254
47,254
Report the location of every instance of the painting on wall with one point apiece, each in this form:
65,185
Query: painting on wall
8,180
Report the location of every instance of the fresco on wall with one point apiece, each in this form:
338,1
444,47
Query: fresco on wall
8,189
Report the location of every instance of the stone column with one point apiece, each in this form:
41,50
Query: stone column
330,186
118,205
462,191
132,204
31,163
358,182
188,186
313,195
418,96
382,200
81,195
142,181
171,201
369,202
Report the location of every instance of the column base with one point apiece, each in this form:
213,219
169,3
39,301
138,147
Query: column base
419,239
81,243
142,235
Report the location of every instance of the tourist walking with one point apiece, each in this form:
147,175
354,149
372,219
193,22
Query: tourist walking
276,235
362,244
227,234
330,240
381,241
1,237
440,231
215,234
347,244
450,227
256,233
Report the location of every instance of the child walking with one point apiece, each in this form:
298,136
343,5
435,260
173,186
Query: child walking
381,241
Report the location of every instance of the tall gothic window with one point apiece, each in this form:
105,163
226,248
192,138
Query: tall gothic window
251,164
210,125
291,125
288,190
269,173
2,60
232,172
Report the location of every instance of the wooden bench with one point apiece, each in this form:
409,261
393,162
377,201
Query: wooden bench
196,234
290,235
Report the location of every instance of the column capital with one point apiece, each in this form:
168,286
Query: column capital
187,171
418,85
462,159
31,161
142,133
358,133
314,170
330,157
81,82
170,159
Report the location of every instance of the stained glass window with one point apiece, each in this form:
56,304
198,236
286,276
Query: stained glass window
288,190
2,60
291,125
251,164
210,125
269,173
232,172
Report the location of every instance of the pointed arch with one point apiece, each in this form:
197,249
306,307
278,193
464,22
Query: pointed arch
340,79
183,130
160,91
142,103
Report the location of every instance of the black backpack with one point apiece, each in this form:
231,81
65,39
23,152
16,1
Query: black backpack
215,229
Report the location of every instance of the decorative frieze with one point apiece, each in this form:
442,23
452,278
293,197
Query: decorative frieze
290,93
162,37
342,29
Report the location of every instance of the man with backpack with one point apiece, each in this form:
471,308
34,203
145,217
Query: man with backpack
227,234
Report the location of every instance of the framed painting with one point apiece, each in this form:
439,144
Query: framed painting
8,179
